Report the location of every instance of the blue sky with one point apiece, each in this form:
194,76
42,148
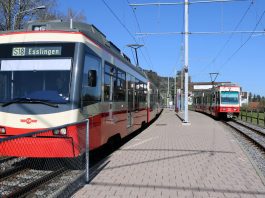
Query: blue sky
163,54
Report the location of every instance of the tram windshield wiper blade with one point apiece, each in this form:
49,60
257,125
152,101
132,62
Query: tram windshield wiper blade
30,100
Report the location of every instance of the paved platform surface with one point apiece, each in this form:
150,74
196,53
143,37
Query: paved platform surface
172,160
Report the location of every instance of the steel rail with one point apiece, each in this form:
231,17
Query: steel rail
249,127
10,172
4,159
23,191
247,136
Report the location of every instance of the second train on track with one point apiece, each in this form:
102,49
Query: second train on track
221,101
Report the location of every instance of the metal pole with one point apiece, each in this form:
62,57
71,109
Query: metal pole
181,92
135,47
87,151
137,62
167,91
175,86
186,66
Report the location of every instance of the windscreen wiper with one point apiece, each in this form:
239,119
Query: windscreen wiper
30,100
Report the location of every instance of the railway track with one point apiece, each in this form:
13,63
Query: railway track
20,180
4,159
254,134
28,178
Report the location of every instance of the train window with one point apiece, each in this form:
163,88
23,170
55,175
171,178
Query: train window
143,92
229,97
109,78
114,84
38,79
130,92
137,94
91,91
120,86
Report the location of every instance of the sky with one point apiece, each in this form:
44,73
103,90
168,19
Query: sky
237,57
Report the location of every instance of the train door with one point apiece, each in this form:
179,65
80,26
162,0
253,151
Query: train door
130,112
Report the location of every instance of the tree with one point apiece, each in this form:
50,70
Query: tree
76,16
15,13
258,98
254,99
262,105
153,77
250,97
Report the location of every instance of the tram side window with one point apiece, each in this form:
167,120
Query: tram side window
109,81
144,92
140,92
91,80
108,75
130,92
152,98
114,84
136,93
120,86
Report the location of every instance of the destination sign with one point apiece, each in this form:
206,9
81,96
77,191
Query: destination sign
37,51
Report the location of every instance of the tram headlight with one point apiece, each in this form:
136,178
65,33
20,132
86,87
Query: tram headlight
2,130
61,131
56,131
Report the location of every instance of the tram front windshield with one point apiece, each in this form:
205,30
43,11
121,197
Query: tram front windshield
229,97
37,79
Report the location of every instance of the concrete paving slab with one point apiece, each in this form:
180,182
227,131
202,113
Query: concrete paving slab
169,159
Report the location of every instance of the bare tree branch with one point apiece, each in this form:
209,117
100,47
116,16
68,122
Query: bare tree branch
15,13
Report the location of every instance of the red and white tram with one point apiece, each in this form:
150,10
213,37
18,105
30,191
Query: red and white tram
221,101
52,75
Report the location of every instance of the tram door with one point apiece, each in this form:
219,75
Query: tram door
131,108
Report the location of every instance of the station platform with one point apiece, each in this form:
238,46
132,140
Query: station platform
170,159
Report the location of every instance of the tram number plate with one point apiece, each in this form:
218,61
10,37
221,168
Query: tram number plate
19,51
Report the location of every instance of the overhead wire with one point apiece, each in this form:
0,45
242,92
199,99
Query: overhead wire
181,50
229,39
139,27
256,13
118,19
242,45
123,25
